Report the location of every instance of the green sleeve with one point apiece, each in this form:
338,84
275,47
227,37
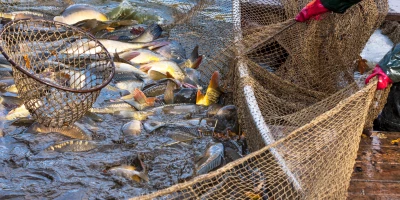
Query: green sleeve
338,6
390,64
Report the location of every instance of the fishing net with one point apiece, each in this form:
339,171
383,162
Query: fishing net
57,88
301,106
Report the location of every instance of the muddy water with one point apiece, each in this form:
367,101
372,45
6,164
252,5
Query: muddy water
30,169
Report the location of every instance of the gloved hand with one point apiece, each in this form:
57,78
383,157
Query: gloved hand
383,79
317,7
312,9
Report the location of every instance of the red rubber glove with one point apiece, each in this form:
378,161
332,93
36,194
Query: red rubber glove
312,10
383,79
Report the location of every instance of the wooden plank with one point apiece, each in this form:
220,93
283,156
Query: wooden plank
377,169
393,17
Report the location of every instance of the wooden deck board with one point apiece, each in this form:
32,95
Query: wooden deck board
376,173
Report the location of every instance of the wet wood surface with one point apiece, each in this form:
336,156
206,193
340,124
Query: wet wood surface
376,172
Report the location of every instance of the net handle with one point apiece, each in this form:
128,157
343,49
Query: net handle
90,36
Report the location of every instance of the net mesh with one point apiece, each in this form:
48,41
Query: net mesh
300,106
56,77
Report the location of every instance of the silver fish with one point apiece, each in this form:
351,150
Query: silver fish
111,107
79,12
129,172
21,111
211,159
75,131
133,127
73,146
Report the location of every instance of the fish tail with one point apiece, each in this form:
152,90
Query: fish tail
197,62
199,98
156,75
214,81
169,75
195,54
154,30
139,96
130,55
150,101
145,68
156,44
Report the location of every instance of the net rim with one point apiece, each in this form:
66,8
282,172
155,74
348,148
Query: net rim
89,35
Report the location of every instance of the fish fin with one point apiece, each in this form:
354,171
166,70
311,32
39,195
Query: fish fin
156,44
129,96
145,68
196,63
136,178
195,54
169,92
150,101
131,55
154,30
199,98
169,75
214,81
151,33
139,96
156,75
58,19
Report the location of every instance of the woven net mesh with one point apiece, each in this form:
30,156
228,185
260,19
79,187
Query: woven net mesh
57,87
300,105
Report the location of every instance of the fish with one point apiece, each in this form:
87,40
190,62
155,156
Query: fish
156,88
79,12
133,127
212,94
10,101
211,159
129,172
18,112
192,77
111,107
17,15
94,117
136,115
200,126
142,56
172,51
213,109
151,33
73,146
23,121
77,79
158,70
227,119
75,131
194,60
139,101
185,95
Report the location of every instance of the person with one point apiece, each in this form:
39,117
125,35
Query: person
388,72
315,8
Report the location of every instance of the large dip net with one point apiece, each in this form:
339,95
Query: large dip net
57,88
301,106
